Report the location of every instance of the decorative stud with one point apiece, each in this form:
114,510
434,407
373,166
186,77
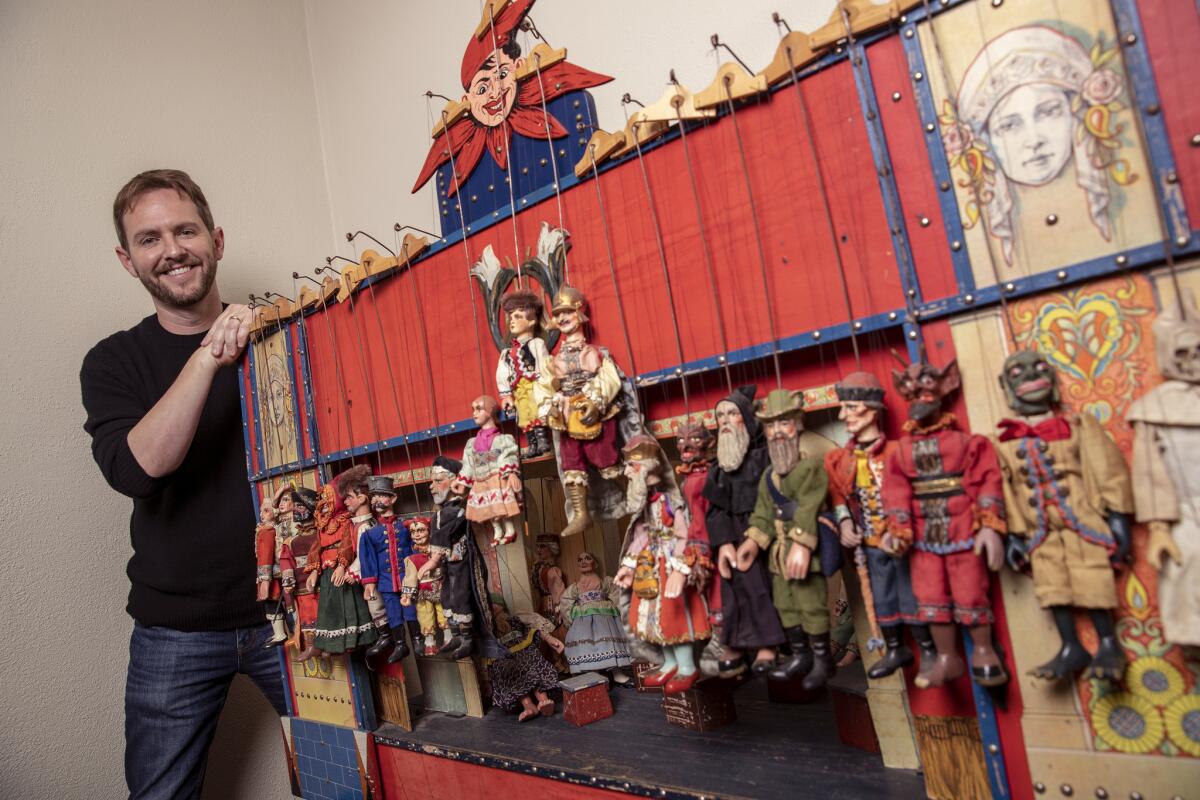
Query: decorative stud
944,186
1172,177
721,359
929,127
908,34
542,162
969,299
1061,274
524,170
495,214
816,334
1131,39
1136,796
912,334
997,3
918,76
1122,260
924,222
895,97
1039,787
945,2
491,187
1101,793
578,117
871,114
523,201
679,372
891,316
993,748
903,19
956,245
1010,287
474,197
1181,240
912,292
1152,109
1196,140
1052,219
857,325
583,142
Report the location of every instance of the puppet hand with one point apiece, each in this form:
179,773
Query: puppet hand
588,413
339,575
989,545
1122,532
624,577
555,644
726,560
426,568
675,584
405,600
369,592
507,405
799,558
848,535
746,553
311,583
1016,553
1161,546
263,590
896,548
228,335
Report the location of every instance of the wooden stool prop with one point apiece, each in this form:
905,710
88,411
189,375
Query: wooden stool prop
585,698
705,706
642,670
1069,509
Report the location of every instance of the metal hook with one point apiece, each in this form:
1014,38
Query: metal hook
327,267
331,259
398,227
626,99
297,276
717,44
780,21
350,238
277,294
529,27
432,94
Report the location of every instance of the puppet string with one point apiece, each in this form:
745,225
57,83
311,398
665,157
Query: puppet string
537,68
704,245
293,395
412,285
662,260
331,334
612,263
321,468
365,365
512,199
762,257
263,386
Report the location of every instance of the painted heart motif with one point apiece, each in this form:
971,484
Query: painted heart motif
1081,334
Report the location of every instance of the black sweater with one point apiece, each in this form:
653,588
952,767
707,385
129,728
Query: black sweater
193,565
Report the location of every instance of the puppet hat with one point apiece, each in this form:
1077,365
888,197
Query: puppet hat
780,404
446,464
861,387
381,484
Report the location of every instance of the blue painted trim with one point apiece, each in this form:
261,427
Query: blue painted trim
947,199
283,671
246,435
258,440
360,690
286,330
985,713
1162,160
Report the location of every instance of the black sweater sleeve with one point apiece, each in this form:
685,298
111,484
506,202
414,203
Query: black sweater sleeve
113,408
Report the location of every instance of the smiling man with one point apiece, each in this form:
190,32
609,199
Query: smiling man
165,420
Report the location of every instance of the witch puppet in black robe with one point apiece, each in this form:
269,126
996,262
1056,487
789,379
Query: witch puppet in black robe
465,591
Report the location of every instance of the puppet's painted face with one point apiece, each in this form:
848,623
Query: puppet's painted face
481,414
439,487
266,513
1185,355
1030,384
522,322
859,417
1030,132
643,471
355,501
779,429
286,505
419,532
729,417
567,320
586,563
493,90
695,443
924,386
382,503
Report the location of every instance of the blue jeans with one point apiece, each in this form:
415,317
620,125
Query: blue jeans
175,688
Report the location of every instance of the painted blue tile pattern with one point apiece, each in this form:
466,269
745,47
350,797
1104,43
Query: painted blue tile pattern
327,760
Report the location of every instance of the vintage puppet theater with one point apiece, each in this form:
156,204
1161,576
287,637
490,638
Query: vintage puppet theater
965,227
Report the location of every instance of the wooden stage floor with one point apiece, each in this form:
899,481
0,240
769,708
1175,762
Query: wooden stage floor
773,750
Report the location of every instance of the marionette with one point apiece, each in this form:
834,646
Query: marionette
667,607
362,517
452,546
523,677
304,504
586,400
1166,470
749,621
424,594
521,366
784,526
595,639
695,443
1070,504
343,619
546,578
855,479
943,495
276,576
491,472
383,556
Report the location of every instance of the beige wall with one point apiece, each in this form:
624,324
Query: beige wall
292,151
93,93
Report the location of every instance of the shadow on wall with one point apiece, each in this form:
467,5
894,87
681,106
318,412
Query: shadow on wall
248,736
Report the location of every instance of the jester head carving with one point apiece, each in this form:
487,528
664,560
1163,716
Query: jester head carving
925,386
1030,383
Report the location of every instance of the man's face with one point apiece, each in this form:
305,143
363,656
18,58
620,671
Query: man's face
1029,383
418,532
728,418
382,503
858,417
778,429
1030,131
521,322
493,90
567,320
694,442
355,500
286,504
170,250
440,488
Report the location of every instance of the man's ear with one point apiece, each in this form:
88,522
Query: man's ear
218,236
126,261
951,379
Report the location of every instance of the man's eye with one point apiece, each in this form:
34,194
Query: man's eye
504,72
482,89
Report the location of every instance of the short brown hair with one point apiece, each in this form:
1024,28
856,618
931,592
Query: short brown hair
522,301
153,179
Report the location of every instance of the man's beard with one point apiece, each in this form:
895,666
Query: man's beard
785,454
923,412
381,509
636,493
181,298
732,444
440,495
